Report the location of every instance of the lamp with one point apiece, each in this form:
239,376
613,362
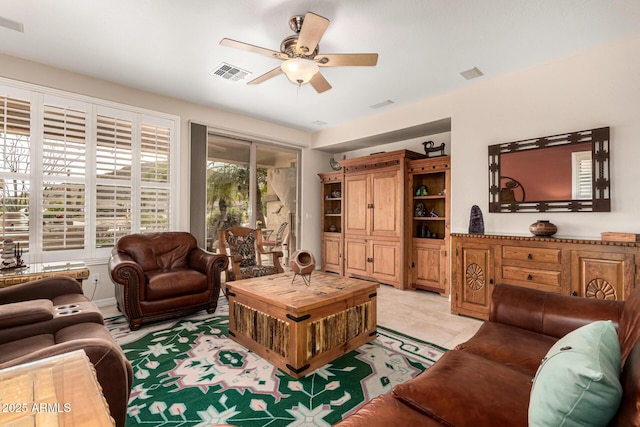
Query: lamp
300,71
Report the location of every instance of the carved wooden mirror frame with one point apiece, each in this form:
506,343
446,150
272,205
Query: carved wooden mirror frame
601,188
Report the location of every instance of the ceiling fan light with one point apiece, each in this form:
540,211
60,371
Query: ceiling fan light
299,71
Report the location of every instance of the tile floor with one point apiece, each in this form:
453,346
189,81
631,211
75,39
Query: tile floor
420,314
423,315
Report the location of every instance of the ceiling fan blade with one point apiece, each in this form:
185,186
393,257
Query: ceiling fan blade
313,27
346,59
319,83
266,76
251,48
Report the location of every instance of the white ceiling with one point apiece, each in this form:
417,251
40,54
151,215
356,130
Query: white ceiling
170,47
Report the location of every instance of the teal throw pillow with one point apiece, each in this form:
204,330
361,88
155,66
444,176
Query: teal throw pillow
578,382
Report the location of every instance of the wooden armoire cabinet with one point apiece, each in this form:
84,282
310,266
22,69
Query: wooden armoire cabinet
582,268
376,235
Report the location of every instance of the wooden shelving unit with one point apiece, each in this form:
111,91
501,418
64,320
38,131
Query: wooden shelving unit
332,222
430,218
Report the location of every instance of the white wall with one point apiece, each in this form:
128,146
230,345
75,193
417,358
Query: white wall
591,89
594,88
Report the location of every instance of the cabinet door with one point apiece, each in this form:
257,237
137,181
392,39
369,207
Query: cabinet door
385,202
474,279
429,268
355,260
602,275
385,260
332,254
356,202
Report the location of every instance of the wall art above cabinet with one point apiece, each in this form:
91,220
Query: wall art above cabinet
559,173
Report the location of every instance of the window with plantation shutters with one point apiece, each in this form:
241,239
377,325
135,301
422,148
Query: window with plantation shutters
77,174
64,159
155,167
114,161
15,169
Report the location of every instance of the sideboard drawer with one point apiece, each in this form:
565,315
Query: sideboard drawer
522,253
533,276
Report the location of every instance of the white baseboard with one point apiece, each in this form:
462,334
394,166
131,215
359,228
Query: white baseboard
105,302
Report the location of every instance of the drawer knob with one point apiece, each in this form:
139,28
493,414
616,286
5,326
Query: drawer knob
574,293
369,259
529,256
529,277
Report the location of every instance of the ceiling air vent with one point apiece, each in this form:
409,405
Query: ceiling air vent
472,73
230,72
381,104
12,25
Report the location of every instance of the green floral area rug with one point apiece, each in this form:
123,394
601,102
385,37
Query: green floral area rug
188,372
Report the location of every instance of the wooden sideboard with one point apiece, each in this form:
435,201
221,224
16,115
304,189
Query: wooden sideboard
568,266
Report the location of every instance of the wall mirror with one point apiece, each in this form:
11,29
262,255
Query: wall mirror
559,173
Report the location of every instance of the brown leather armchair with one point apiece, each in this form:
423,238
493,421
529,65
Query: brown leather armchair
163,275
245,250
51,316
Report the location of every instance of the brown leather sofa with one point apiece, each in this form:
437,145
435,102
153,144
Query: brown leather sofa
163,275
487,380
51,316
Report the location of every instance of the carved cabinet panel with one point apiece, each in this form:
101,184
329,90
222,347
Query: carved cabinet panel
473,282
602,275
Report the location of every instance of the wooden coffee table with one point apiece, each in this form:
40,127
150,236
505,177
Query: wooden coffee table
299,328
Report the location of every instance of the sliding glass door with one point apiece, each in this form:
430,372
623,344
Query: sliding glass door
277,197
228,181
253,185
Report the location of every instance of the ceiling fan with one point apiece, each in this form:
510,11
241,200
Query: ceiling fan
300,53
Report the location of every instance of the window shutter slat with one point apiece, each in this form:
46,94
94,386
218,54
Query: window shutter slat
113,213
63,216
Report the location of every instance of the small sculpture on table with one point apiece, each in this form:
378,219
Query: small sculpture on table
302,263
11,255
429,148
476,222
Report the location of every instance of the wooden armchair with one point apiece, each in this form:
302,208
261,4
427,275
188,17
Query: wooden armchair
244,247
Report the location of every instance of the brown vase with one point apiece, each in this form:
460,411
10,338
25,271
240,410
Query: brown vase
543,228
302,262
